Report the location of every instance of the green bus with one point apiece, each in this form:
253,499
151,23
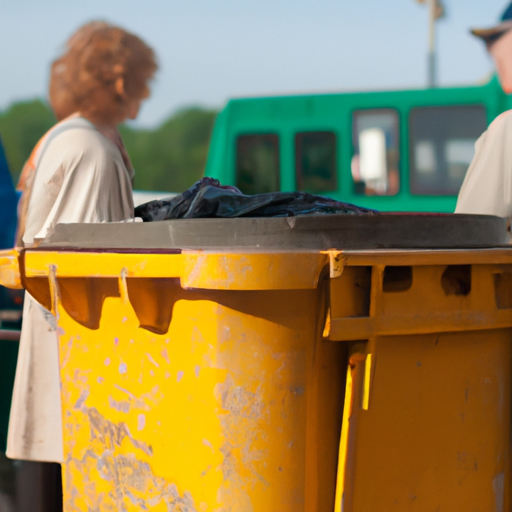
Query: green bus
393,151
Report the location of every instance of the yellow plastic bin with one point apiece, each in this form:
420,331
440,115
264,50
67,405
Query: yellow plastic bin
263,379
208,407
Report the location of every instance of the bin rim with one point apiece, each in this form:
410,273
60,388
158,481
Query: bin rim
343,232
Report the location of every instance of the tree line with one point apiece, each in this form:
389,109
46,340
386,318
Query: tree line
170,157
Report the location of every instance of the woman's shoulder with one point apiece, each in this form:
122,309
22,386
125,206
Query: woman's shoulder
75,128
79,136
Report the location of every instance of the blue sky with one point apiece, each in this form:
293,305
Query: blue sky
211,50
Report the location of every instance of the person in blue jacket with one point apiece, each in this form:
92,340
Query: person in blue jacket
8,204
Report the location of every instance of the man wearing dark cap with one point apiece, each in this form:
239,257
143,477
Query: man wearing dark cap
487,187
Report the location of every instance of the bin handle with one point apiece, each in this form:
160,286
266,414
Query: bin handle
195,269
54,290
10,269
123,286
337,261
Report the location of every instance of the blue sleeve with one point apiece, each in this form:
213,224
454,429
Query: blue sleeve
8,204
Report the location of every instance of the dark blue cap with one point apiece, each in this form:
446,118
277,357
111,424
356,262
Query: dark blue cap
507,15
491,34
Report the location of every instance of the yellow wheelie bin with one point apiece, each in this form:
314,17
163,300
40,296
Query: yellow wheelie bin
355,363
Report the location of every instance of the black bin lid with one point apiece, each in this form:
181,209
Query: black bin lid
313,232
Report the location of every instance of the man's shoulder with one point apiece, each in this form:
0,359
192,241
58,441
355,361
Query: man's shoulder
502,120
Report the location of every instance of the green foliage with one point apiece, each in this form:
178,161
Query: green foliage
169,158
173,156
21,127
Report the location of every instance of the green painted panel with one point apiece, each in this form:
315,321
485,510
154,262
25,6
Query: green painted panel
287,115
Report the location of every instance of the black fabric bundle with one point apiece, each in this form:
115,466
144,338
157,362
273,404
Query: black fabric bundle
209,199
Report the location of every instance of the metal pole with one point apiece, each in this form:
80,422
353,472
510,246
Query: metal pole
432,4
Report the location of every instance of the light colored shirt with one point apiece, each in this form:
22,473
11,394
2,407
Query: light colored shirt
487,187
80,176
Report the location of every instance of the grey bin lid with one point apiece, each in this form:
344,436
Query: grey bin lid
314,232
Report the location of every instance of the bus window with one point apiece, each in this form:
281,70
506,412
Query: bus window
442,141
315,161
257,163
376,156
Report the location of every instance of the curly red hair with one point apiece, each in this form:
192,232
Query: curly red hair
103,69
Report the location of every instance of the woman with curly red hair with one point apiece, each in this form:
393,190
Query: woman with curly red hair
78,172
